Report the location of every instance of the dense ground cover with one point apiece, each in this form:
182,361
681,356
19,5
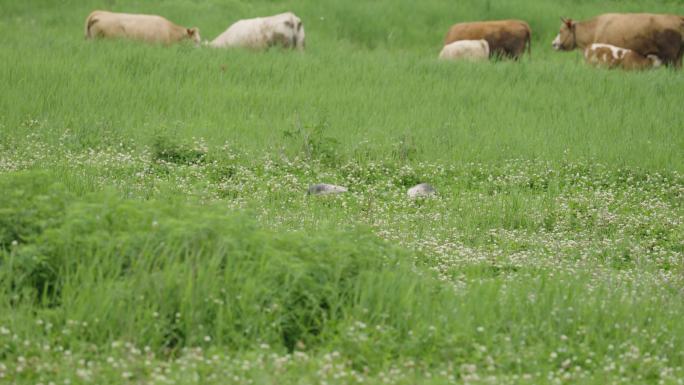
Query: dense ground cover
154,226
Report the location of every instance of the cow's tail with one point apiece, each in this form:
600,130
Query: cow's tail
529,43
90,21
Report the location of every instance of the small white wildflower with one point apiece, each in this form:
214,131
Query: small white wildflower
82,373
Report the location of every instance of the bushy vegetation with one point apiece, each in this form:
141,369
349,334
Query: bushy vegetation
168,278
154,226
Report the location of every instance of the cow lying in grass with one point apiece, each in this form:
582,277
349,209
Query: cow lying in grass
610,56
473,50
285,30
149,28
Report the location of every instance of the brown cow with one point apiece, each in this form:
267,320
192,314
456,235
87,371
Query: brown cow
506,38
149,28
610,56
645,33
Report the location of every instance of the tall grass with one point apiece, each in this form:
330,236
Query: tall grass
168,276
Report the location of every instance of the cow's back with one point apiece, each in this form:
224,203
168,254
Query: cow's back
284,29
246,33
146,27
477,30
151,28
629,30
466,49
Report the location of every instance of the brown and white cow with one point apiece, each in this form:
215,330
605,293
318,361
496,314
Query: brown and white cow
610,56
506,38
285,29
645,33
149,28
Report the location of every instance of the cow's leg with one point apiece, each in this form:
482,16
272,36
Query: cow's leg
519,50
676,49
669,46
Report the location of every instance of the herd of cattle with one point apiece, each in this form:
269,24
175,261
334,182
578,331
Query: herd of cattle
630,41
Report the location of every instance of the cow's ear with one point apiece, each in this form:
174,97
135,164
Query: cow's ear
192,31
569,23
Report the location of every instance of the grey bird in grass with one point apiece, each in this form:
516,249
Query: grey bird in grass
325,189
421,190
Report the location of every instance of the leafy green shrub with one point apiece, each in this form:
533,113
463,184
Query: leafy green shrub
167,150
314,143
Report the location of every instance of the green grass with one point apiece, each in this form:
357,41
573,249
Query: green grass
108,92
154,225
97,271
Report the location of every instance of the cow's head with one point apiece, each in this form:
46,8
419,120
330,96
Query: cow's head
300,41
566,38
290,31
193,35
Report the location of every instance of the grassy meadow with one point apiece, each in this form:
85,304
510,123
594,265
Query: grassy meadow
155,227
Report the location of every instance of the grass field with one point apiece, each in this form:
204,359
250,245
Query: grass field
154,227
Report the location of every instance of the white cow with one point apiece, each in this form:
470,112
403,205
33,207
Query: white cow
150,28
473,50
285,29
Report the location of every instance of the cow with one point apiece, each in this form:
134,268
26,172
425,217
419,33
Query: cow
610,56
644,33
473,50
149,28
285,29
506,38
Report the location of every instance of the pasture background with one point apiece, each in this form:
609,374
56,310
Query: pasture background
369,76
154,227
